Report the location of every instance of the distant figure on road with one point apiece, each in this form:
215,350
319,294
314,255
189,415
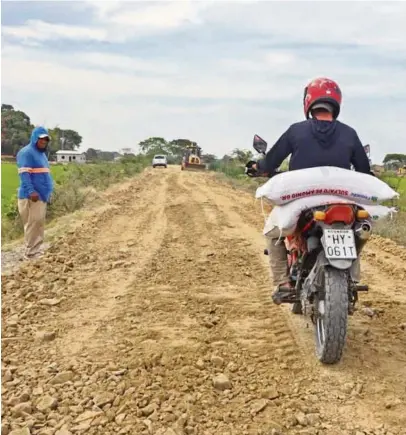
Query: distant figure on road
36,186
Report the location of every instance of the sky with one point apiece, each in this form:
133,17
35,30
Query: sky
215,72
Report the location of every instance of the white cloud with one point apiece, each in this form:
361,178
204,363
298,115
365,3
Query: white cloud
373,24
72,75
116,99
159,16
42,31
119,21
379,25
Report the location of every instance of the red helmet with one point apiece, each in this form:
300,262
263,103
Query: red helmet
322,90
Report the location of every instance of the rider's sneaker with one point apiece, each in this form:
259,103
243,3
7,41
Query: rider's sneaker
284,293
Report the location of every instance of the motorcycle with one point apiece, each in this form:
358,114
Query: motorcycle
323,255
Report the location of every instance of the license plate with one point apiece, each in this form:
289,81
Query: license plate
339,244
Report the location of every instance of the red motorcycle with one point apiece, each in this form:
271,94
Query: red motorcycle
323,257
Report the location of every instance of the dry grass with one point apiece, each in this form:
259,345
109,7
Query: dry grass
394,229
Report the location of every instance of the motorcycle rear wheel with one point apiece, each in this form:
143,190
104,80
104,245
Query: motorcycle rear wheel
332,316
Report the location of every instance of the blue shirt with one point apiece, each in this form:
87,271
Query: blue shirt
33,169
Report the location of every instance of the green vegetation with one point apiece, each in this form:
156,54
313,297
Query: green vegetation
73,184
397,183
394,162
10,182
173,149
395,228
16,131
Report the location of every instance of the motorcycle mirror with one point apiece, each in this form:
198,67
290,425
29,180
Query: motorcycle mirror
259,145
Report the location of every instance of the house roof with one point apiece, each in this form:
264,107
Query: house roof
69,153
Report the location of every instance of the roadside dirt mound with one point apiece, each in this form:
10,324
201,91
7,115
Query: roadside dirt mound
153,317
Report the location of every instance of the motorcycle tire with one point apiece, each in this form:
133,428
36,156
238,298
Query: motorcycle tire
332,316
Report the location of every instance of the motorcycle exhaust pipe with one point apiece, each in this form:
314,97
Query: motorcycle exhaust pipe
363,230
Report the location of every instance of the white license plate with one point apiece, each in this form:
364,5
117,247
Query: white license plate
339,244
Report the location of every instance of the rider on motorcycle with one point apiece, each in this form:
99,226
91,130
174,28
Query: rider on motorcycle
320,140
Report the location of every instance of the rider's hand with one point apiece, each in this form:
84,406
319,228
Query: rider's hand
34,197
251,168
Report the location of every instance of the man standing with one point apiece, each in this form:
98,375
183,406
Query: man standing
35,190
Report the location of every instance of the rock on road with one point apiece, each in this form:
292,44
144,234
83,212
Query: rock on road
154,317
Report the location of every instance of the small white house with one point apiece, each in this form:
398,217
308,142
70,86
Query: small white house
68,156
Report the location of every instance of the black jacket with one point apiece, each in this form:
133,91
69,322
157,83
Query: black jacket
315,143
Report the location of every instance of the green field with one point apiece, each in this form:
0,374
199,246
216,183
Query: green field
10,181
398,184
71,189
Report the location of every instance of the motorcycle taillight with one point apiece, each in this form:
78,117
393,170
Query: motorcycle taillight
339,213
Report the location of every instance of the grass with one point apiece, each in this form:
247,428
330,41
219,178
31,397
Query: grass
10,182
73,186
394,228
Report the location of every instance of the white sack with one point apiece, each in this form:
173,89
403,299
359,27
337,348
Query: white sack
326,180
283,218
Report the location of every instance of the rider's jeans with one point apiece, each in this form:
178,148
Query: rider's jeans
356,267
278,260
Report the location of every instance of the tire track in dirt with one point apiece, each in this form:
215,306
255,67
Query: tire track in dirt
374,362
237,229
165,290
112,247
130,241
190,321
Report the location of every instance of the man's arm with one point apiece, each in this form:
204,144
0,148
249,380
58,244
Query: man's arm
24,165
276,155
359,157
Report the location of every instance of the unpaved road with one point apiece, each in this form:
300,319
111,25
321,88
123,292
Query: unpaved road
123,325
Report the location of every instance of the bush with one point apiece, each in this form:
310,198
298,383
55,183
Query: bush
394,229
231,168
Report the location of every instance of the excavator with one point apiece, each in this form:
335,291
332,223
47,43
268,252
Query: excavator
192,158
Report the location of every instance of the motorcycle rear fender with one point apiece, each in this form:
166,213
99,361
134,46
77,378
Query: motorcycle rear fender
322,261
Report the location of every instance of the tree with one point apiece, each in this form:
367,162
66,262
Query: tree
226,158
154,145
91,154
107,155
178,146
395,157
15,129
242,156
65,139
173,149
6,107
176,149
72,139
209,158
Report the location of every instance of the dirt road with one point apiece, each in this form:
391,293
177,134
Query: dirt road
154,317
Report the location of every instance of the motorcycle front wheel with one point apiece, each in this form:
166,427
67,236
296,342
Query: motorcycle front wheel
331,310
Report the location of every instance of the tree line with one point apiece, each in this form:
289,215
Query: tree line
16,128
